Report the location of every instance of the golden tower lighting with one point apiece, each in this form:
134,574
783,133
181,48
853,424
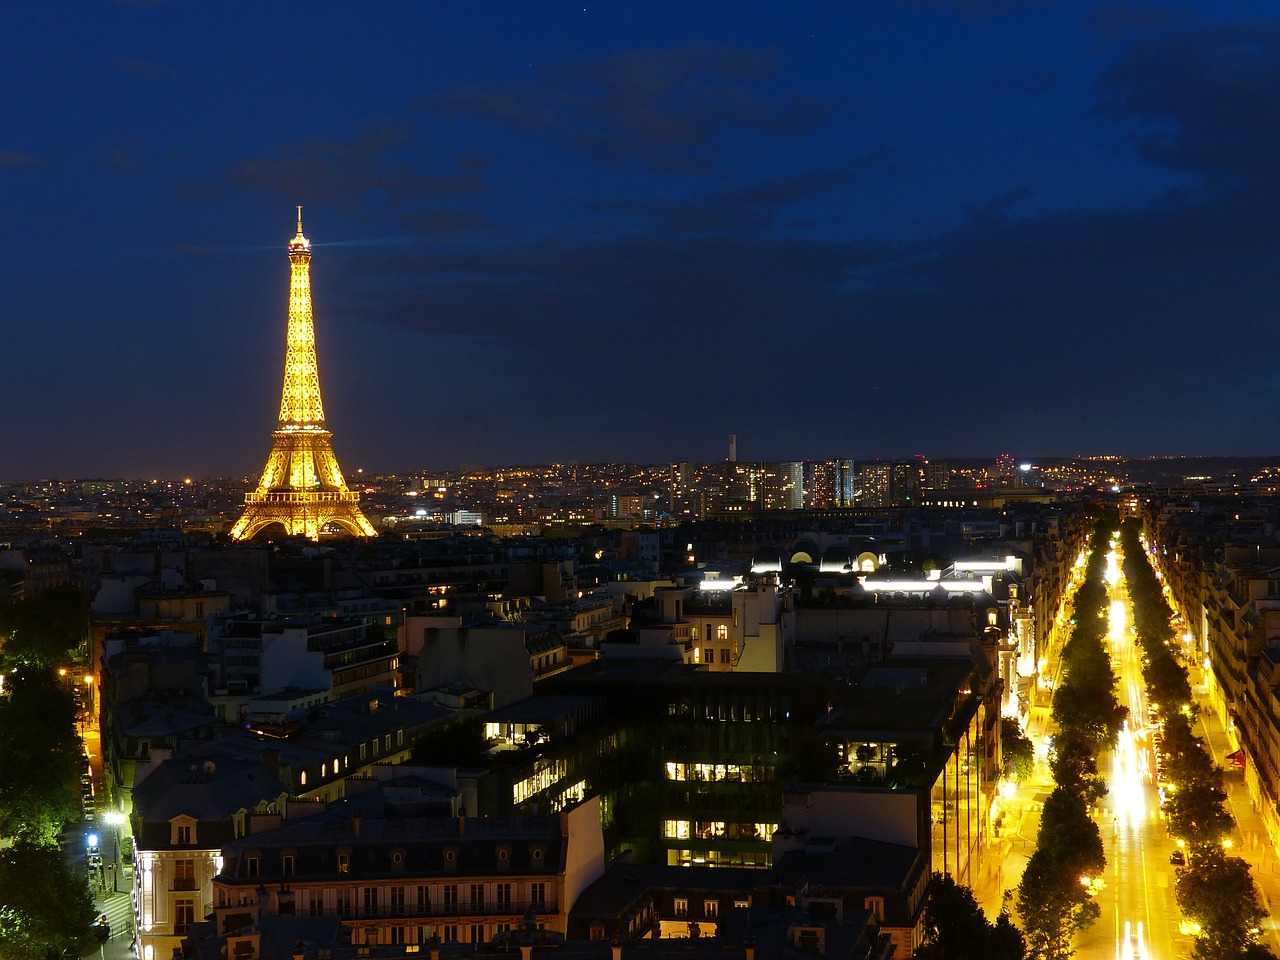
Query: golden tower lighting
301,487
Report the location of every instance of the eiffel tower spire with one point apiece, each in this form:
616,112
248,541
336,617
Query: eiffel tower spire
302,488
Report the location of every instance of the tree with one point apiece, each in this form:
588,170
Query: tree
41,757
1052,904
44,905
910,764
1217,892
459,744
1074,765
1017,751
43,630
1068,837
955,928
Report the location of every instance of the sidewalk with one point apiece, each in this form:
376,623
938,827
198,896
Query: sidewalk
119,910
1250,839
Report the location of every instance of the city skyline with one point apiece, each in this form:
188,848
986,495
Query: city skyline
588,233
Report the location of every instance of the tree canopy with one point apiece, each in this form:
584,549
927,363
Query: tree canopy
41,757
955,928
44,904
43,630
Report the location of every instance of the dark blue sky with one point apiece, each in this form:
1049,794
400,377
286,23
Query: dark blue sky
626,230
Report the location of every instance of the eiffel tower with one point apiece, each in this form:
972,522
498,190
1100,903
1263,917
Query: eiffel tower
301,487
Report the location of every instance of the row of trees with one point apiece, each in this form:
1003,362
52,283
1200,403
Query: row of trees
1052,901
45,904
1213,889
1055,897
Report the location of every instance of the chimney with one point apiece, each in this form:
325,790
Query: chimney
617,948
733,448
526,951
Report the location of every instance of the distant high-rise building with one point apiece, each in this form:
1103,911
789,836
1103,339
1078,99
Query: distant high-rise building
887,484
769,485
830,483
302,488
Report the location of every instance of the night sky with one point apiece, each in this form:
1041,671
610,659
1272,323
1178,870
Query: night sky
622,231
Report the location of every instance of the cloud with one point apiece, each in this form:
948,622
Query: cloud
653,109
447,223
1122,21
143,69
1203,100
1032,84
740,209
123,161
18,158
974,9
352,174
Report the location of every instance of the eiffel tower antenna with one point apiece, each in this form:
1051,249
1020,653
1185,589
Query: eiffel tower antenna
302,488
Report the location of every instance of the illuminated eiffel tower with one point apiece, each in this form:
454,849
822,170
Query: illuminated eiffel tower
302,487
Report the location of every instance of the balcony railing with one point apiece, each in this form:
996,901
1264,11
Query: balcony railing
495,908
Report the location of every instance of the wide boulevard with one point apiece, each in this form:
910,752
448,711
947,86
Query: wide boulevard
1140,917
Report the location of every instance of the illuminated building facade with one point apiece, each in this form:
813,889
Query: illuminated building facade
302,488
888,484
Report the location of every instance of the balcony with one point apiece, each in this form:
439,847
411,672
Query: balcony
513,908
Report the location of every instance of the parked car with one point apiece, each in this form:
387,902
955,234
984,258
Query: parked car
1178,858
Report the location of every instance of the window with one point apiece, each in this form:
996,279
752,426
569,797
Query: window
477,933
315,903
184,914
362,751
449,933
184,835
538,895
451,898
477,896
199,608
711,909
876,906
302,778
397,935
371,901
344,861
184,874
722,632
682,906
504,896
397,901
724,655
286,865
250,866
424,898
